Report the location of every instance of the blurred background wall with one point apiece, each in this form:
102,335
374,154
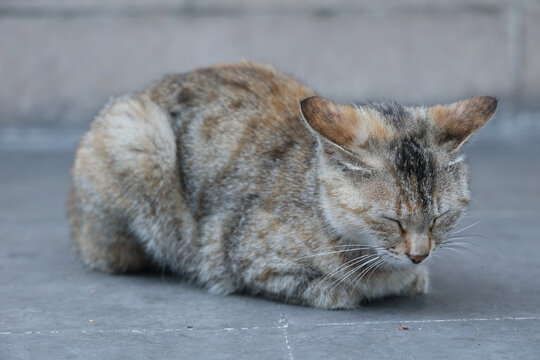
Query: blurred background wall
60,60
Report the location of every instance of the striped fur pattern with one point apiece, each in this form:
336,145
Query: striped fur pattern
240,179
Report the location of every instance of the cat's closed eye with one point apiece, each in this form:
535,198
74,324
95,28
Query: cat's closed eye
445,220
397,222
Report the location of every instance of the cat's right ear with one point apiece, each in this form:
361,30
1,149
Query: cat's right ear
341,129
338,124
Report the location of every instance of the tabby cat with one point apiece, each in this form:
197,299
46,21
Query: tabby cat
240,179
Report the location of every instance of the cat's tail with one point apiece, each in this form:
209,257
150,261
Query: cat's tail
126,201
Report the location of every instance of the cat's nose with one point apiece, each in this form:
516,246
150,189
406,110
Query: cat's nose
417,259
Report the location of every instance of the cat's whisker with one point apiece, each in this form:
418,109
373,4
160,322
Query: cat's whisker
472,250
461,241
349,245
476,238
340,280
382,263
344,266
363,273
482,205
340,247
445,259
446,246
467,244
359,265
460,251
367,247
479,259
433,256
470,236
451,249
466,227
329,253
459,247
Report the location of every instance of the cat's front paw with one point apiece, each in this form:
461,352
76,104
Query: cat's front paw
420,283
324,295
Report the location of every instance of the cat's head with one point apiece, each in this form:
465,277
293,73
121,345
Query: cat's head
394,174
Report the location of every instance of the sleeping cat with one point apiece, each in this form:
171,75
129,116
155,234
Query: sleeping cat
240,179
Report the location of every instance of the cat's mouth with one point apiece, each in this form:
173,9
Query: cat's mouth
407,257
417,259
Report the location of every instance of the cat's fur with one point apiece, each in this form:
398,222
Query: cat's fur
239,179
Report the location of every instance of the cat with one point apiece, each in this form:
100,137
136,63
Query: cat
241,179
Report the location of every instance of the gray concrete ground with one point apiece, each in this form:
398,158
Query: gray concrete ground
484,303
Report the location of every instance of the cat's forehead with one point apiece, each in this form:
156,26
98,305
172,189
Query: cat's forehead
414,167
403,119
391,112
409,133
410,157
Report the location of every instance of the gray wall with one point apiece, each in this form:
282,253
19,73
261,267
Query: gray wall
61,60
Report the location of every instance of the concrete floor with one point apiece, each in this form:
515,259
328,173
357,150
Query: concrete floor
483,304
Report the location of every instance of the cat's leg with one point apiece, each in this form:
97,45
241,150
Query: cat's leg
409,281
298,286
271,261
101,239
126,195
420,283
390,282
329,293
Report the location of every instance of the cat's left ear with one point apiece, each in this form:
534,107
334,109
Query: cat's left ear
458,121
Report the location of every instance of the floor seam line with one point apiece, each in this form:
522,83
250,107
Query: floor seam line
132,330
285,325
433,321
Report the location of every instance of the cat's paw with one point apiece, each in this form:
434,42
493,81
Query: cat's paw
420,283
324,295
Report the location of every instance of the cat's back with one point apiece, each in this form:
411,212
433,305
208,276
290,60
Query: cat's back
238,126
238,95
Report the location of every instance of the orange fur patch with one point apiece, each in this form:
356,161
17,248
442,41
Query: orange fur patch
266,274
460,119
343,124
357,211
336,123
380,131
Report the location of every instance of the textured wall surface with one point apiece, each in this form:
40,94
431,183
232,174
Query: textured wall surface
61,60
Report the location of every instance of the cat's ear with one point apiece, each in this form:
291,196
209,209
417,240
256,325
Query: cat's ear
344,131
337,123
344,125
458,121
